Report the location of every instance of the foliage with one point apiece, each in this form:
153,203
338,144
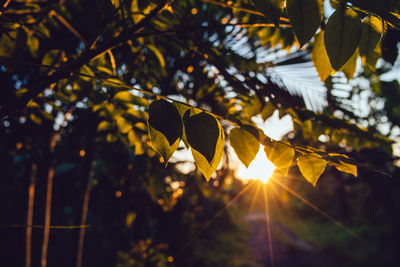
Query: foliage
145,75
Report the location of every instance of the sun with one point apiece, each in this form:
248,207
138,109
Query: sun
259,169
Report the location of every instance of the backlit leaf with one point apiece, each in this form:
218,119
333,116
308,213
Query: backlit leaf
104,126
134,140
272,9
128,97
349,68
206,139
161,144
372,30
165,118
346,167
245,145
202,133
123,124
305,17
267,111
342,36
320,57
165,128
158,54
281,154
311,166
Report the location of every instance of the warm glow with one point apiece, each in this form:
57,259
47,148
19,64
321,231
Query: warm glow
260,169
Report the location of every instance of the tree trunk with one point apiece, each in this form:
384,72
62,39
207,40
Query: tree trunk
29,217
50,175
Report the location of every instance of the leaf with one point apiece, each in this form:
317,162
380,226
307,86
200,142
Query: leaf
305,17
202,133
267,111
342,36
372,31
111,138
134,140
123,124
182,109
272,9
158,54
346,167
349,68
165,128
128,97
104,126
311,166
372,58
281,154
251,107
161,145
7,43
206,139
245,145
320,57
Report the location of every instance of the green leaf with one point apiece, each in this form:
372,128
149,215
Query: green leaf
281,154
272,9
123,124
311,166
372,31
342,36
350,67
305,17
320,57
245,145
165,128
206,139
267,111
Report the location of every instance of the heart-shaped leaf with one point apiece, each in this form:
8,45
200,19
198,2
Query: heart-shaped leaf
320,57
272,9
281,154
311,166
206,140
342,36
372,30
305,17
202,133
165,118
165,128
245,145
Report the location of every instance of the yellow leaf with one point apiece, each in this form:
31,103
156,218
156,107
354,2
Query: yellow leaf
320,57
349,68
281,154
311,166
245,145
346,167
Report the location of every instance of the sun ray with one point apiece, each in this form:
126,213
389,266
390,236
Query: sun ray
267,218
210,222
311,205
254,198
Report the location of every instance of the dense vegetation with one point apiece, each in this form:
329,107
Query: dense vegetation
97,97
